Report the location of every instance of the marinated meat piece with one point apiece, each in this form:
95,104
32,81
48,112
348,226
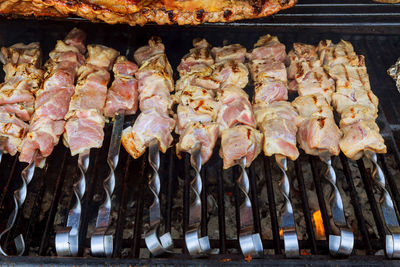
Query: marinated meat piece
155,47
150,124
277,121
231,72
264,70
238,142
13,129
313,106
356,113
360,136
53,98
198,59
123,94
191,93
316,81
268,48
269,91
203,80
84,130
318,131
332,54
235,52
235,108
186,116
19,54
205,133
304,53
142,12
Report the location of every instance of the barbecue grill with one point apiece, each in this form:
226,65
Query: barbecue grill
374,31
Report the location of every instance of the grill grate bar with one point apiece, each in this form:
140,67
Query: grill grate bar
221,211
272,206
120,225
357,208
367,180
142,184
306,208
320,194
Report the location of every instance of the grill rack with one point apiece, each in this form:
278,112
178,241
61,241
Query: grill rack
380,53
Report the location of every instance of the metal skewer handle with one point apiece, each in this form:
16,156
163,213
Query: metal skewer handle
250,243
392,244
341,243
288,225
67,239
156,244
19,199
196,244
101,244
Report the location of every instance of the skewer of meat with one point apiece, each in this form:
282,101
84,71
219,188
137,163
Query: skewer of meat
240,140
357,106
276,118
23,77
83,131
196,124
121,100
153,128
47,122
318,133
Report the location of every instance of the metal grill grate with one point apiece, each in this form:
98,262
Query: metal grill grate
50,192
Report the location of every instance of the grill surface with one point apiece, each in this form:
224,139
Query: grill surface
50,193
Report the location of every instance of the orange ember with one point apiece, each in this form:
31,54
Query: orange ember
281,232
319,224
304,252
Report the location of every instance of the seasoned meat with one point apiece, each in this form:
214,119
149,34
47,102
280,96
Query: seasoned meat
140,12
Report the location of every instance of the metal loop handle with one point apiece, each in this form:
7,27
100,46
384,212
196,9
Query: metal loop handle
250,243
392,244
19,199
341,243
157,245
67,238
195,243
288,224
101,244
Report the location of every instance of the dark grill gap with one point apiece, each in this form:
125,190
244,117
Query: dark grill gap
50,191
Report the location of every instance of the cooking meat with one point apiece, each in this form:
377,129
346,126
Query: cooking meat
277,121
123,94
239,136
84,120
197,109
204,132
317,130
353,99
141,12
155,83
235,108
150,124
306,74
240,141
268,70
53,98
23,76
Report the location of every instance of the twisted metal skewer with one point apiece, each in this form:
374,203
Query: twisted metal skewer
250,243
196,244
341,243
19,199
157,245
67,238
101,244
288,225
392,244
